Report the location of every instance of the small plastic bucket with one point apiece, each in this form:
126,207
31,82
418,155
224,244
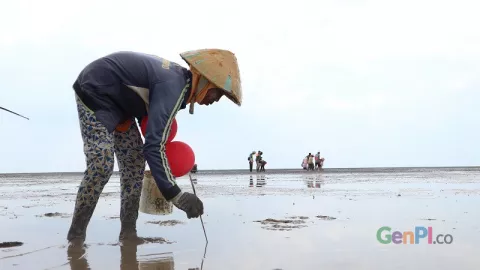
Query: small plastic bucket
152,201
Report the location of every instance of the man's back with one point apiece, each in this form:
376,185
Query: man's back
130,69
119,84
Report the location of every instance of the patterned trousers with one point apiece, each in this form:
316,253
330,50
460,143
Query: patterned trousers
99,147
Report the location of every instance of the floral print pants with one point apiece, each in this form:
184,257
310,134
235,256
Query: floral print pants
99,147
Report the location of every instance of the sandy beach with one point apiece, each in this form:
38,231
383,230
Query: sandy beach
288,219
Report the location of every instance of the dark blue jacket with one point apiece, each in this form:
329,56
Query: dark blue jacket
124,85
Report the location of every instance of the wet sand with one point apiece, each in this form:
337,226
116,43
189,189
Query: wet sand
293,220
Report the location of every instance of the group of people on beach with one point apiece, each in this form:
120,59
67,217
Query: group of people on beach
309,163
259,161
312,163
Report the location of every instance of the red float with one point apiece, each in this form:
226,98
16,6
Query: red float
181,158
143,125
173,130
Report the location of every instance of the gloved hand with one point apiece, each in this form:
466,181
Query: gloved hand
189,203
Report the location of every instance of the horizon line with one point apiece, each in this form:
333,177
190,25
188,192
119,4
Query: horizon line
284,169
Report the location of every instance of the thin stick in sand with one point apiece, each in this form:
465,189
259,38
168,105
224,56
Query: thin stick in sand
193,187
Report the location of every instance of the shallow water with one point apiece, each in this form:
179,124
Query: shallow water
333,224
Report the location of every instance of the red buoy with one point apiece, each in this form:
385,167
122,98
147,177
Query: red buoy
181,158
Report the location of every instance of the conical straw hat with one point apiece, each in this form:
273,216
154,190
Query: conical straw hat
220,67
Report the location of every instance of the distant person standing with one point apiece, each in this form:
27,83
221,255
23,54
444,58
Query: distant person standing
305,163
262,165
311,165
258,159
317,161
250,160
194,169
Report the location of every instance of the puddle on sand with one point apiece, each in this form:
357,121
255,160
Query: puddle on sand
338,233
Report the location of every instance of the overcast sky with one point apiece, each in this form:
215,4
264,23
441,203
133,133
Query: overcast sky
368,83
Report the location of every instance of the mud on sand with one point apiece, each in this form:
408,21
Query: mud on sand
56,214
166,222
159,240
139,241
326,217
325,243
282,224
295,222
10,244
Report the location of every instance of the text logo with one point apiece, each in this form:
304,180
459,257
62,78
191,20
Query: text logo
386,236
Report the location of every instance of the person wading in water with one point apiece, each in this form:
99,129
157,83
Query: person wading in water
250,160
114,91
311,165
258,158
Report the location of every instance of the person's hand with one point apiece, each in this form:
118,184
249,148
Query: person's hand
189,203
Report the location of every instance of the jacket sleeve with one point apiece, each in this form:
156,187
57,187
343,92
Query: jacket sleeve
165,99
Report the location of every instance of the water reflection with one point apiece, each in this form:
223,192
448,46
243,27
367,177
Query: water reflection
193,177
129,260
313,181
77,257
260,180
313,184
